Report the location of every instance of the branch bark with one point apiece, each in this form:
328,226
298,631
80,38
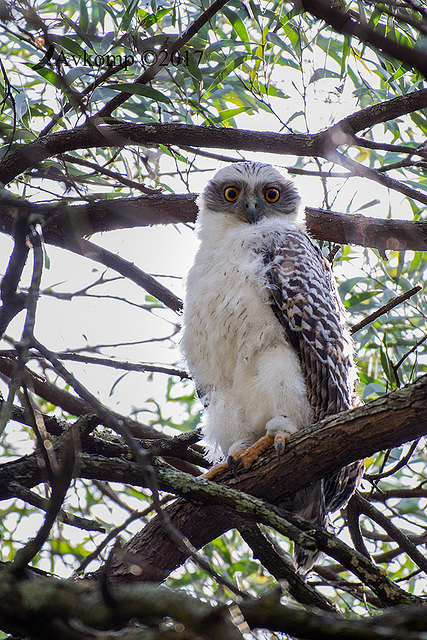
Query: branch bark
317,451
65,226
36,606
121,133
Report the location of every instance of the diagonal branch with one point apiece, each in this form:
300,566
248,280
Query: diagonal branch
175,45
321,449
342,22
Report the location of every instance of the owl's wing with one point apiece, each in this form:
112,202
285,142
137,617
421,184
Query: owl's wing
305,300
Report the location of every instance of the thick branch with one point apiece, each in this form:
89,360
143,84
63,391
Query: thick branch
32,605
71,403
64,226
337,441
122,133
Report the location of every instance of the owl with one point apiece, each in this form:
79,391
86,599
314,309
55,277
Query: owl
264,332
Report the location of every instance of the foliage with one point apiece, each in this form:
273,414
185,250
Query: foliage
75,69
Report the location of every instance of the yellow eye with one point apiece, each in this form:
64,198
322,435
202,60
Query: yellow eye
231,194
272,194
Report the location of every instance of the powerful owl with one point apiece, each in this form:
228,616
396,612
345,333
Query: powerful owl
264,333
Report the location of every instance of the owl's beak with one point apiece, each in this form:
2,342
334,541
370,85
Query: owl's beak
251,213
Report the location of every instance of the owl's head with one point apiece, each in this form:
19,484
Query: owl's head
251,191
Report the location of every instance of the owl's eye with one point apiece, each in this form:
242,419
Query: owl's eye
231,194
272,194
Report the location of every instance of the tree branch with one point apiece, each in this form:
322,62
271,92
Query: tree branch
333,443
342,22
64,226
35,603
122,133
281,567
323,448
176,44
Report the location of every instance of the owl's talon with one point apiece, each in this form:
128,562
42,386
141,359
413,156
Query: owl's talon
231,461
237,466
278,445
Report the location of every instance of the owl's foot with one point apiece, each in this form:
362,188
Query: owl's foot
281,428
248,456
216,470
233,462
278,429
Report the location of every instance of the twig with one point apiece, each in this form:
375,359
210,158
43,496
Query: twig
131,271
396,366
352,519
135,515
59,483
38,501
140,455
403,541
12,302
281,567
385,309
358,169
342,22
399,465
175,45
111,174
24,344
90,87
108,417
43,438
106,362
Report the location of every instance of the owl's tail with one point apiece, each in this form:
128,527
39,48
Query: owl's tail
310,505
316,501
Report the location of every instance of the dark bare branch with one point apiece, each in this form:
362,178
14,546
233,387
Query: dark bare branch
121,134
343,23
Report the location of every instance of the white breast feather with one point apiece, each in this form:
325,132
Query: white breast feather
234,345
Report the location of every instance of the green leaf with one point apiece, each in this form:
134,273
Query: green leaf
344,56
50,76
76,28
386,362
84,18
225,70
119,379
238,25
129,14
140,90
150,19
68,44
226,114
319,74
369,204
106,42
274,38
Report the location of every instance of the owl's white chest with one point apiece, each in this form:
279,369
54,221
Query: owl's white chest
235,347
